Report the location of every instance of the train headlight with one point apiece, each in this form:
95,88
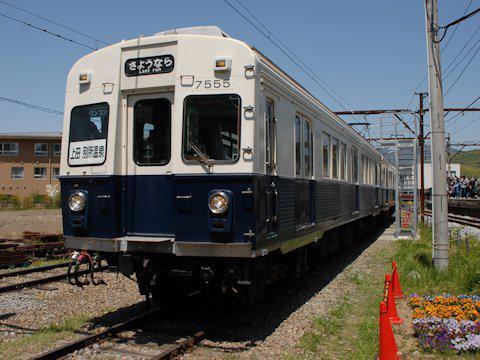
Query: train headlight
77,201
218,203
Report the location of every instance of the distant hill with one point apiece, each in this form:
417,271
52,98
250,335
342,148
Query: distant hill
470,162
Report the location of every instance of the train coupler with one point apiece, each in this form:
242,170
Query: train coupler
82,267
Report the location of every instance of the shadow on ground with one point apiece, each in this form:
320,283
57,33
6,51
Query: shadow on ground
248,325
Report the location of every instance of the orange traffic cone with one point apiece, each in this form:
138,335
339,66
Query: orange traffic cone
391,307
397,289
387,347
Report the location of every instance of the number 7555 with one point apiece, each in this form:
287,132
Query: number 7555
207,84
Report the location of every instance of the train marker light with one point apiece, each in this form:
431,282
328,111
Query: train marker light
85,78
223,64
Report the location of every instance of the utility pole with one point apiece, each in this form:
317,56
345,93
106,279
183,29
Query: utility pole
421,144
437,123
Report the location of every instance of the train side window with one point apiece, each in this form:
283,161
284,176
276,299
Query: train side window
354,165
370,172
343,161
335,158
307,147
298,144
363,169
326,155
151,132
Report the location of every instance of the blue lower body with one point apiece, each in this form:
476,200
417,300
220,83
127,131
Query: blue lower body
265,209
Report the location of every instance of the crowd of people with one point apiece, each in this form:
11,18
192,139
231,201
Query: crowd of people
462,187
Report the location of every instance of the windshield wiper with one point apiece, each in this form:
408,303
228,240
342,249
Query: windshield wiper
203,158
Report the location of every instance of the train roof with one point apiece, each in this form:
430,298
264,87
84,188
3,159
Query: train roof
216,31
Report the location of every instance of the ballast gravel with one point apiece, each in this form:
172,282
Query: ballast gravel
273,328
22,312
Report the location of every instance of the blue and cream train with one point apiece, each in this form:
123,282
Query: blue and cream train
194,162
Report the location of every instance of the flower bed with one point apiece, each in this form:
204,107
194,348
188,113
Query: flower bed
447,322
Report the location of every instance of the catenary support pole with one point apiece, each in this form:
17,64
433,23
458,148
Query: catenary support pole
437,123
421,145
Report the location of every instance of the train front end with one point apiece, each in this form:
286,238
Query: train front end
157,161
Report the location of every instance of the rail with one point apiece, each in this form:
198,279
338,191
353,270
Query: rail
458,219
33,270
91,339
45,280
171,352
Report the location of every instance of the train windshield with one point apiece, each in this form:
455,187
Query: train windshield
89,122
212,128
88,134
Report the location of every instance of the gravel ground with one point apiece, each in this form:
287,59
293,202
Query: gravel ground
274,326
465,230
268,330
13,223
24,311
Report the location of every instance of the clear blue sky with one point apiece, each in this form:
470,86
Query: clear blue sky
372,52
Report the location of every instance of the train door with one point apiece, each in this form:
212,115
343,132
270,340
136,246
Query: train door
149,183
271,166
304,186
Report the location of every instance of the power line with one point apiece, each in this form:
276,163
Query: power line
31,106
464,56
441,52
46,31
284,49
55,23
458,21
456,27
461,73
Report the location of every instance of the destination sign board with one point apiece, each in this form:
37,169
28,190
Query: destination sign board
149,65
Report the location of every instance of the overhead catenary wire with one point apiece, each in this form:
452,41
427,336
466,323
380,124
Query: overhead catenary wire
466,125
59,36
55,22
292,52
30,106
461,112
286,51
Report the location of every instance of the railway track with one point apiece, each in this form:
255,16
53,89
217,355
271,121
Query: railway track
161,351
41,281
458,219
33,270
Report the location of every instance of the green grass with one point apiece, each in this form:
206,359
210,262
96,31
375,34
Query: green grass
38,263
350,330
470,161
415,264
42,338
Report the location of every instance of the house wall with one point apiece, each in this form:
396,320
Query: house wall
29,161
